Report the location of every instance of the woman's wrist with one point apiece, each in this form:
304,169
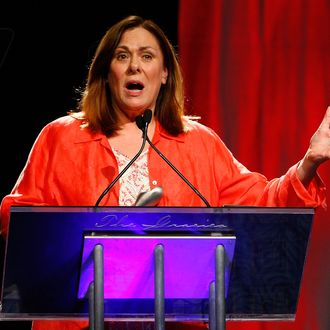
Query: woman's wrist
307,169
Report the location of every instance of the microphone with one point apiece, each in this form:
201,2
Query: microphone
149,198
145,121
141,124
142,121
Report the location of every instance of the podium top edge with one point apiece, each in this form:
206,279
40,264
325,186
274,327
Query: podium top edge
161,209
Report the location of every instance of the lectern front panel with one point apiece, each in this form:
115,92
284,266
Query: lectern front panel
45,245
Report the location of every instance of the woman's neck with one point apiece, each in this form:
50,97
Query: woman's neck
128,139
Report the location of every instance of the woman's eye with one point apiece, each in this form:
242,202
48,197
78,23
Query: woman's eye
121,56
147,57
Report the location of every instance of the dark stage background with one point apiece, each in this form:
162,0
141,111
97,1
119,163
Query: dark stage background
257,71
46,47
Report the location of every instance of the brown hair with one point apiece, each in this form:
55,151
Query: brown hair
96,103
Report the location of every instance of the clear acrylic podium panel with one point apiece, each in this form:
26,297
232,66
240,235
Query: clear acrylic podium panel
45,249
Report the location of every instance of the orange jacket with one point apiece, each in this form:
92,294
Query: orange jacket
70,166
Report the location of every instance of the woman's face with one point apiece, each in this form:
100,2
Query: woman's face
136,72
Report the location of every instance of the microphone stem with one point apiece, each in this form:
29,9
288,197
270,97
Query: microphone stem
178,172
145,130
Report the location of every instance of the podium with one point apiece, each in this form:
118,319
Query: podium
48,265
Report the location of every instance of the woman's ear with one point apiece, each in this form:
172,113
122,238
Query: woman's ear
164,76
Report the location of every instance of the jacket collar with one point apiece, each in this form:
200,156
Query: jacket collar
84,135
161,132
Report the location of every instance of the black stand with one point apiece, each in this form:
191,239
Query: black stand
220,301
217,301
96,291
159,288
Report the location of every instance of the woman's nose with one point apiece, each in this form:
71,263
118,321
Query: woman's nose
134,64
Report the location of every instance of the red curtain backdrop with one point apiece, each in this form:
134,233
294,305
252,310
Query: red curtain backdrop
258,72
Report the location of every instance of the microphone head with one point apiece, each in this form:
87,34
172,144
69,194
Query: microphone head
139,122
147,116
142,120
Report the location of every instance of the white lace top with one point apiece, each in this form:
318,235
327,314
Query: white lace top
134,180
